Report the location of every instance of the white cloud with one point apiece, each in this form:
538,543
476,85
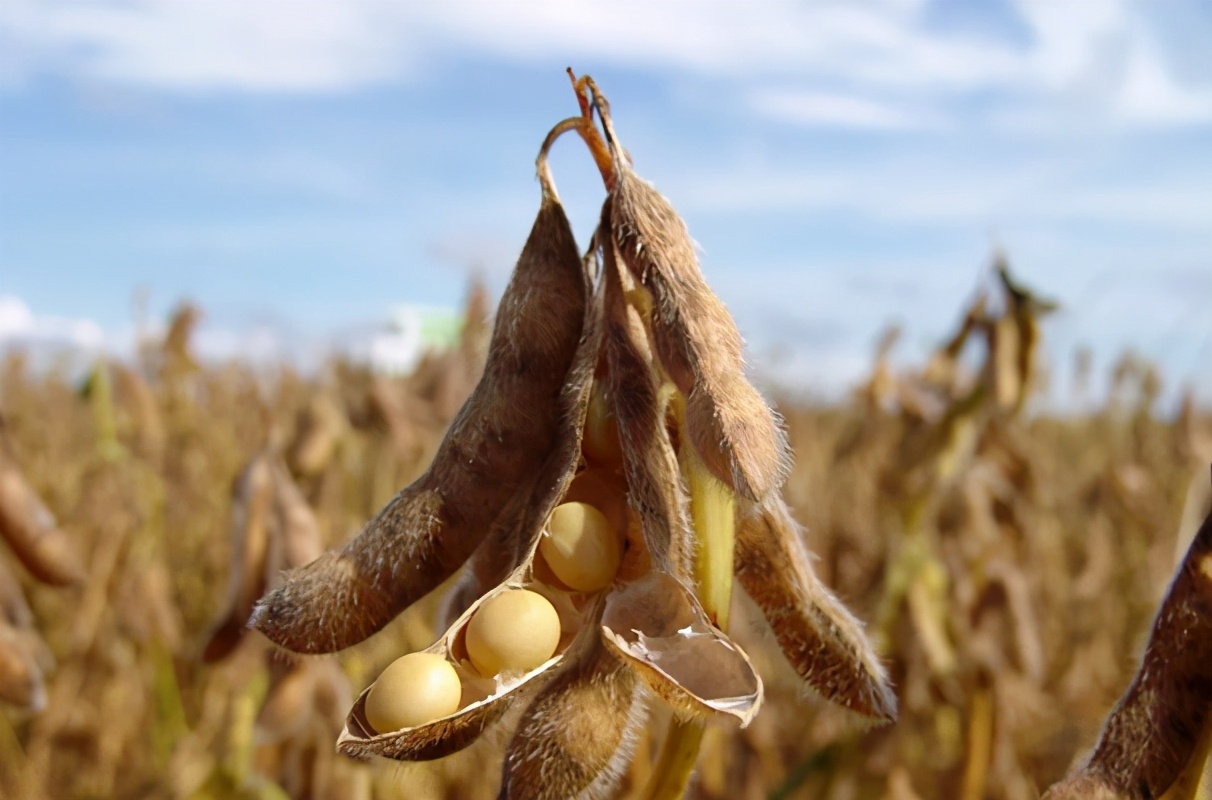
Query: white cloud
827,109
19,325
938,189
1103,55
1148,95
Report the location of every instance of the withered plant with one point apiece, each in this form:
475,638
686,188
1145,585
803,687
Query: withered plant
30,531
273,529
615,379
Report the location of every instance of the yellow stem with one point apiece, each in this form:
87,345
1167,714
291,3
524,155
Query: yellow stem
713,514
1195,780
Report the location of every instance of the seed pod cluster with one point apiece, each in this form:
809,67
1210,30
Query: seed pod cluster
592,485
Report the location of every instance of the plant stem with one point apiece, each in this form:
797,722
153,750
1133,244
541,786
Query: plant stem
713,514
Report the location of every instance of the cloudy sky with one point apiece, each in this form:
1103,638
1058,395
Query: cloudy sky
298,167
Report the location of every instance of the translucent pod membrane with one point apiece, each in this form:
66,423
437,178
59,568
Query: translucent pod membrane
656,626
446,670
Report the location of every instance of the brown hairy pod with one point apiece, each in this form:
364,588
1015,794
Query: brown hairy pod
485,700
493,453
655,489
1151,734
736,433
661,360
823,642
575,739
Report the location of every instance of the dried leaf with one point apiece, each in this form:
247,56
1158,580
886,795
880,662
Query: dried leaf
822,641
493,454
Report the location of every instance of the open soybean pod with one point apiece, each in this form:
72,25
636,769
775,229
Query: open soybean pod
736,433
656,626
822,641
483,698
496,451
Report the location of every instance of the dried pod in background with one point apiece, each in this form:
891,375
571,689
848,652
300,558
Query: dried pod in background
29,527
273,529
320,425
21,681
24,656
252,520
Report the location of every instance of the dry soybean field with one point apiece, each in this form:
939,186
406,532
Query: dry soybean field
1007,563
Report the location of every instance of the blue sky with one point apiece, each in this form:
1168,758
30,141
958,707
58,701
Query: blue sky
297,168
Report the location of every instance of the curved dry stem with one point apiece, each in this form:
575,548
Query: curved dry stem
583,87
